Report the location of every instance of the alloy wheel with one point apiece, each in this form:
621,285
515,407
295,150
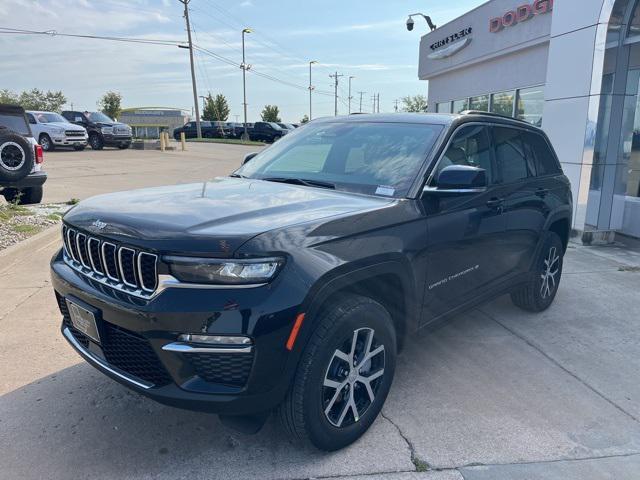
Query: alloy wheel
12,156
549,272
45,143
353,378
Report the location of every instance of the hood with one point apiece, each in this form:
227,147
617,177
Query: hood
66,126
111,124
213,218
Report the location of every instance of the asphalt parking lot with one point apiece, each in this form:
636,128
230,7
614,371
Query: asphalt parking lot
494,394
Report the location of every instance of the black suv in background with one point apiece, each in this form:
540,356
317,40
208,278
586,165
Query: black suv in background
21,158
103,131
292,284
267,132
208,129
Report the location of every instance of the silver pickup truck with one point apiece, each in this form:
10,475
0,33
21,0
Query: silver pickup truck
21,174
52,130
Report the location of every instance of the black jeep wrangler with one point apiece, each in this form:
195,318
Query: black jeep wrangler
21,158
103,131
291,284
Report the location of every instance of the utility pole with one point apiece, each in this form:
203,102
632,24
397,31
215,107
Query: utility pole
350,97
361,94
245,135
336,77
193,71
311,90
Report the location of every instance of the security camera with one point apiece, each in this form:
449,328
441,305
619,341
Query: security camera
410,24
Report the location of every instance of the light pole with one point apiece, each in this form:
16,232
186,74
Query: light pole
310,90
350,97
245,135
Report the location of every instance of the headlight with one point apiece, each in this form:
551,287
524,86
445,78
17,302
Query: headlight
58,130
107,130
223,271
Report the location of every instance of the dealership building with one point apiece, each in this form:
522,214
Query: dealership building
569,66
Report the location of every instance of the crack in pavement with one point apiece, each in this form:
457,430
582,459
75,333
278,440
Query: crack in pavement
420,464
540,350
18,305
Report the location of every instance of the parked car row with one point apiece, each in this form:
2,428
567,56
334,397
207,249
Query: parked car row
259,131
77,130
21,158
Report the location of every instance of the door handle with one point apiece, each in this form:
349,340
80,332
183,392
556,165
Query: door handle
495,202
542,192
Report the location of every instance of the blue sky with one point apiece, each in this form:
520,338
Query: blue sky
365,39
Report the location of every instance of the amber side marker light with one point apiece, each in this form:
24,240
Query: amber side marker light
294,331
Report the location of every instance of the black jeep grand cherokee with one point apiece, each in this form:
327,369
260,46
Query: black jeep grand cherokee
292,283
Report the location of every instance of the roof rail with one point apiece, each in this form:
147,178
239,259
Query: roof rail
492,114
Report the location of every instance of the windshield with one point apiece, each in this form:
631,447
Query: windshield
275,125
370,158
50,117
99,117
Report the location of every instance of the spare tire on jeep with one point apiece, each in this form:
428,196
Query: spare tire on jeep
16,156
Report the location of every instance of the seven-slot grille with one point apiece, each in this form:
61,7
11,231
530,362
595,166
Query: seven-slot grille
123,266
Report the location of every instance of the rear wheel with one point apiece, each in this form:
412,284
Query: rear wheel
16,157
344,375
538,294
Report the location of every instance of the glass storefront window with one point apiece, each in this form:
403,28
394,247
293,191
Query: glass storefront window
444,107
460,106
480,103
503,103
530,105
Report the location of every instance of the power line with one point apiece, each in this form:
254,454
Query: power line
55,33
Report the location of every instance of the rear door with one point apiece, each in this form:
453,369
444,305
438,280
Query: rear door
525,208
464,231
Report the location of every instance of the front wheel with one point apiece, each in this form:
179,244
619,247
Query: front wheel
96,142
540,291
46,143
344,375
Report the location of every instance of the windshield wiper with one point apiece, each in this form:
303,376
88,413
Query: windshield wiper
301,181
237,175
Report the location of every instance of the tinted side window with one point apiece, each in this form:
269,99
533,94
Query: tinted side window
543,157
471,147
31,118
511,157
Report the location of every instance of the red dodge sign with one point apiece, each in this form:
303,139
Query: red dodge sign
520,14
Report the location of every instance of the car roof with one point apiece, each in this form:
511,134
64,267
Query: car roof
445,119
11,109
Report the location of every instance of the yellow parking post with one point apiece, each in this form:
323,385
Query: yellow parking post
162,141
183,141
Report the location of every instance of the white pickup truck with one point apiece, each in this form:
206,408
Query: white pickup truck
53,130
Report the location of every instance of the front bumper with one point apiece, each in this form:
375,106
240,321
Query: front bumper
66,141
135,331
116,139
34,179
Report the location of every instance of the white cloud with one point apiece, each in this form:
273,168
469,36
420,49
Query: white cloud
246,3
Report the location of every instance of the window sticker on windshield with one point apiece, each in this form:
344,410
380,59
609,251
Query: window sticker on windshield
386,191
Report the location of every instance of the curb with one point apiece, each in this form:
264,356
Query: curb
28,245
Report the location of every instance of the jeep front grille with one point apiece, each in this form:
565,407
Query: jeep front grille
124,268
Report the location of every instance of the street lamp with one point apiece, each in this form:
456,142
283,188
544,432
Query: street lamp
245,67
410,21
350,97
310,90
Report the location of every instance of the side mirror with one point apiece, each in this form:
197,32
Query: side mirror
461,179
248,157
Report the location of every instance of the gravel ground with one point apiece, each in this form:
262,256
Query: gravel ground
20,222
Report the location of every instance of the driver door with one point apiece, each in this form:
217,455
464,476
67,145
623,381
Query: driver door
464,229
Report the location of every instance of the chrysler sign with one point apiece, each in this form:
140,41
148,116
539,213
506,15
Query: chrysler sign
452,38
520,14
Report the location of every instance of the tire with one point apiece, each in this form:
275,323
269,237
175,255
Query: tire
540,291
26,196
319,407
124,146
79,148
96,142
46,143
16,157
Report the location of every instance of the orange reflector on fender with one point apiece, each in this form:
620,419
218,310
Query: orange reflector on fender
294,331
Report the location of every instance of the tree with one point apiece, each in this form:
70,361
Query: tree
216,108
305,119
414,103
35,99
271,113
7,96
110,104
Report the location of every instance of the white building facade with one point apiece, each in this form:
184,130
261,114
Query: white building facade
569,66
